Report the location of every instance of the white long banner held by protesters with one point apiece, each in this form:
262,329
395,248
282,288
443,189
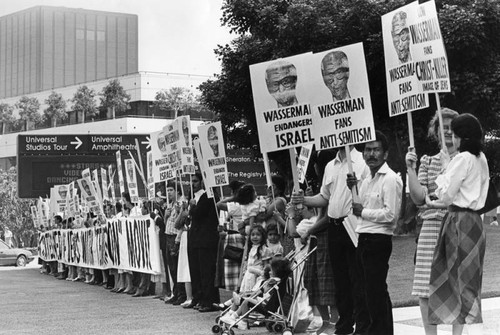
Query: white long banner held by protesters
342,112
281,100
128,244
415,57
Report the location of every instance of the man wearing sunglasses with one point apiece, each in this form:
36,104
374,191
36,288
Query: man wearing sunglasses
335,72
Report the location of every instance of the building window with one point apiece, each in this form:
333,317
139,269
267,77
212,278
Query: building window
90,35
100,35
80,34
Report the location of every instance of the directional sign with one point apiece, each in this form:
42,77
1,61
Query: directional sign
48,160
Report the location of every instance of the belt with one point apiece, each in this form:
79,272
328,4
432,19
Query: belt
336,222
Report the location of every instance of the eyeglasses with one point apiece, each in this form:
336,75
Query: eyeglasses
287,82
401,36
339,74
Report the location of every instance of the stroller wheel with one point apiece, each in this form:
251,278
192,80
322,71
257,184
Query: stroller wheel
278,327
287,331
216,329
269,326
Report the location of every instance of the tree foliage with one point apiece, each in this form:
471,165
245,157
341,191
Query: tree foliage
6,116
56,110
174,100
114,95
84,102
28,109
270,29
15,212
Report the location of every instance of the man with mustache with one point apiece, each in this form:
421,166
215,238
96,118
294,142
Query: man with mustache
378,211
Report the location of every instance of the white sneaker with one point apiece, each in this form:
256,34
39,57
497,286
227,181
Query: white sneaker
228,318
186,303
242,325
315,324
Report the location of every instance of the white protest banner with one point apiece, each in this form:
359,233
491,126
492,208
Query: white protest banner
186,145
281,95
104,184
303,161
342,109
151,183
131,180
415,58
214,154
112,183
127,244
119,169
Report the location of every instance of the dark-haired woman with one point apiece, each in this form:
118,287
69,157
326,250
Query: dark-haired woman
457,267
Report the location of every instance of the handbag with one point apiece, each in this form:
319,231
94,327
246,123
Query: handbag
492,200
233,253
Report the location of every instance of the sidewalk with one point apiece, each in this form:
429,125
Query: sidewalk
407,320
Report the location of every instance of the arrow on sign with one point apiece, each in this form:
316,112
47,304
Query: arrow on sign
78,142
147,142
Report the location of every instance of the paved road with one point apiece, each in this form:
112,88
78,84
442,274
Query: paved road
32,303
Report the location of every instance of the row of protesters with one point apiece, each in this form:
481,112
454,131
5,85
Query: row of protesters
359,274
451,186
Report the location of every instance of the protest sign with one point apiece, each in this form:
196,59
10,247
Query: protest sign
58,199
281,96
131,180
112,183
89,195
119,170
303,162
35,217
213,154
127,244
415,58
203,168
186,145
104,181
342,110
151,183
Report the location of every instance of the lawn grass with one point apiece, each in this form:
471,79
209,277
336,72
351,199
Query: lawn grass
401,268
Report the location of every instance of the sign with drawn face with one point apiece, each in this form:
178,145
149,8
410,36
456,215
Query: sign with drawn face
415,57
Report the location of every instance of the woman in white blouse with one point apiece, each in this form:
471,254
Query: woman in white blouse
457,267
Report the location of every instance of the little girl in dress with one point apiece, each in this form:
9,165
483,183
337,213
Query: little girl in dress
257,257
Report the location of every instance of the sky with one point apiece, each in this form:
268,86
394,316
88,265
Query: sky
175,36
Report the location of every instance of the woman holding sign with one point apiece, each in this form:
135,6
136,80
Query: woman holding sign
457,266
420,186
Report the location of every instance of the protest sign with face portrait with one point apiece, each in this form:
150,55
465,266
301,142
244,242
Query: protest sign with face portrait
119,171
162,169
214,154
58,198
186,145
342,109
415,58
131,180
89,195
281,95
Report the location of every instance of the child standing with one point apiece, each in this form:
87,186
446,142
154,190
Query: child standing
273,240
251,205
257,257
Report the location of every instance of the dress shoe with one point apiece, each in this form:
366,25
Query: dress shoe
171,300
205,309
186,303
62,277
131,291
138,294
120,290
197,306
190,305
179,301
158,297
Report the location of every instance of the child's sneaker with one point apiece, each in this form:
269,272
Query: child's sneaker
242,325
315,324
228,318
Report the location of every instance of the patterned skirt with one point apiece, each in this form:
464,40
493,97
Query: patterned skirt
232,268
457,270
427,241
318,276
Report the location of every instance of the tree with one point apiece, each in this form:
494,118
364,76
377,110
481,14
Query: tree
56,109
29,111
175,99
114,97
84,102
269,29
6,116
15,212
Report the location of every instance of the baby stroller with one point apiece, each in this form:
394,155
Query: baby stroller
279,321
